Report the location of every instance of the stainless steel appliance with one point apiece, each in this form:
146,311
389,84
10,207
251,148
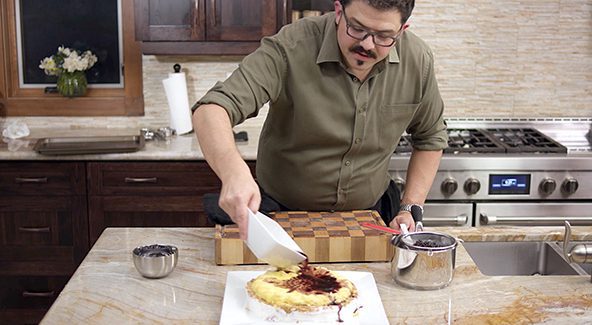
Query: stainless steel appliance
520,172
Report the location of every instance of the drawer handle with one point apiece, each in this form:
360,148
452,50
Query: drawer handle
141,180
34,229
29,180
46,294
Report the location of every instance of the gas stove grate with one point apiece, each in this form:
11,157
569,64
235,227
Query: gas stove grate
471,141
492,140
526,140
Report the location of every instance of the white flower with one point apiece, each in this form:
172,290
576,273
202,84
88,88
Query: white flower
49,66
65,50
68,60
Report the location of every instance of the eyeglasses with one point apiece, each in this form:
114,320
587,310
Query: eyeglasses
361,34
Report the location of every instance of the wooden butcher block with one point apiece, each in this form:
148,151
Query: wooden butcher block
323,236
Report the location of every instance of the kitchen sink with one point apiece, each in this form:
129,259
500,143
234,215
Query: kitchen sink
522,258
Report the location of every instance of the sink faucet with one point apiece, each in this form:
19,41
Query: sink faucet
580,253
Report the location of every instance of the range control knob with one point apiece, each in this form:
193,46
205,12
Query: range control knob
400,184
472,186
570,185
547,186
449,186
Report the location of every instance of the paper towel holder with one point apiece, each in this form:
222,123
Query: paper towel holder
177,68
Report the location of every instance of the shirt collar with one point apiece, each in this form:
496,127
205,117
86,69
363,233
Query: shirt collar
394,55
329,51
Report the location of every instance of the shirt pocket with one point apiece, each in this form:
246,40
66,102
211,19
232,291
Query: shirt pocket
394,120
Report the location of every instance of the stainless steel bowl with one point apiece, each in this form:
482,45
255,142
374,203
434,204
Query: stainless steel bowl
155,261
424,260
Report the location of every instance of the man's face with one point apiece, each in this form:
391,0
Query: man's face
362,55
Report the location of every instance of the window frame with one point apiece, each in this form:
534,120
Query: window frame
17,101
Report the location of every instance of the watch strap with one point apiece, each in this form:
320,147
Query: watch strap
416,210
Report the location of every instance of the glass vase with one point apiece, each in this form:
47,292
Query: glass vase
72,84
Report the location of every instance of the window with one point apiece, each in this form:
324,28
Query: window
33,29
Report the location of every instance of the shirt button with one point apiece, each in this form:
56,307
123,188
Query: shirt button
358,140
347,162
355,79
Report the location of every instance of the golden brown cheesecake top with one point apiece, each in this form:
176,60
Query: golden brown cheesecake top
302,288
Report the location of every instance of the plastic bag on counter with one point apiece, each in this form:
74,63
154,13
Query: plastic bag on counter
16,129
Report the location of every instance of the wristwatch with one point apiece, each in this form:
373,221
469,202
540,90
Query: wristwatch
410,207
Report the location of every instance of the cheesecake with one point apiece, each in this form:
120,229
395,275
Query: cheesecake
303,293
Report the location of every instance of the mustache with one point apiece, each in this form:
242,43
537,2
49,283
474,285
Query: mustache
359,49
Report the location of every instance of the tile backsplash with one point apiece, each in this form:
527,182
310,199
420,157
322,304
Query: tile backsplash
505,58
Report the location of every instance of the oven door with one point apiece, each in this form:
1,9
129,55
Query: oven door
448,214
533,214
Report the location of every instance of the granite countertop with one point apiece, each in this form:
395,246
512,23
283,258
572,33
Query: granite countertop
178,147
106,289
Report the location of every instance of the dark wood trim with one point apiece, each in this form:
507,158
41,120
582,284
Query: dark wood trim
284,13
199,48
3,45
16,101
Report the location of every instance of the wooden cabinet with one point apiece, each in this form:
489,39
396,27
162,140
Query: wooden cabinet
43,235
206,26
148,194
51,212
240,20
170,20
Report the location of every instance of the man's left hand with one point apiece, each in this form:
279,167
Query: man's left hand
403,217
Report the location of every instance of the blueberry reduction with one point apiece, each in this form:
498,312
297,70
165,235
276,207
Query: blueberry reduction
313,280
426,243
155,250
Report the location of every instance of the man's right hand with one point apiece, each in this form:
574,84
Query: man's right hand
239,193
239,190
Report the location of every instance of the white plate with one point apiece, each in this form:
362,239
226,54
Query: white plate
235,299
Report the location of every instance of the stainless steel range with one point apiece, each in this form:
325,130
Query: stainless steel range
509,172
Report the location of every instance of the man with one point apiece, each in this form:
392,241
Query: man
341,88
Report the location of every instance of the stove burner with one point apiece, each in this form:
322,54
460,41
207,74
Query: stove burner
471,141
495,140
526,140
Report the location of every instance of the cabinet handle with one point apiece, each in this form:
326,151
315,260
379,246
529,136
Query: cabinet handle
137,180
46,294
213,17
34,229
459,220
195,18
29,180
533,220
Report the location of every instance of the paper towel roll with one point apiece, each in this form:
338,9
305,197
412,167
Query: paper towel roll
175,87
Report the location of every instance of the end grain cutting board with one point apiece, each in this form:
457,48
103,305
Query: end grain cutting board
323,236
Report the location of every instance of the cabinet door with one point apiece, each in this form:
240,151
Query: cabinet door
25,299
244,20
42,235
170,20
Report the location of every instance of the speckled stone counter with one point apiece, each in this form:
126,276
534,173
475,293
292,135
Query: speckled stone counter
181,147
106,288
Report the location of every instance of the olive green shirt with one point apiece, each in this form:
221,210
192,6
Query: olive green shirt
328,137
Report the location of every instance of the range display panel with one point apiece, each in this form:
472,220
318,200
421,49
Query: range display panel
500,184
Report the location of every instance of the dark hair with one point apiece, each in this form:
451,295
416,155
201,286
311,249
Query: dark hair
405,7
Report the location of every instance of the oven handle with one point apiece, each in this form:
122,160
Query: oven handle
459,220
533,221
